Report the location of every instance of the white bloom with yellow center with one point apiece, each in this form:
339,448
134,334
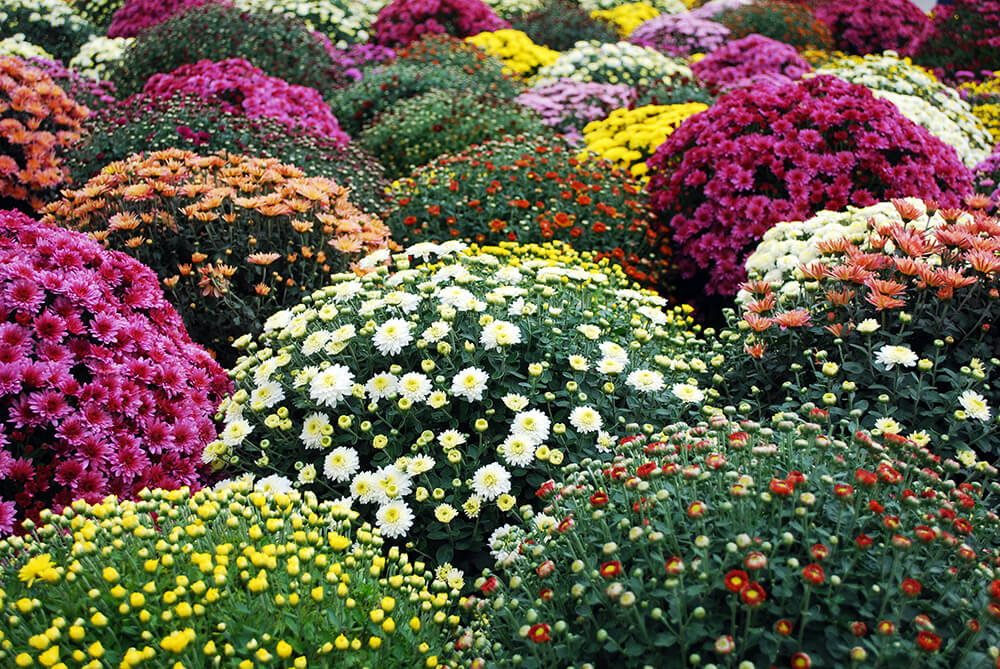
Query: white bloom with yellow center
975,405
419,465
451,439
887,425
381,386
365,488
687,392
315,342
589,331
392,336
392,483
470,384
890,356
585,419
868,326
514,402
341,464
490,481
414,386
437,331
267,395
532,426
307,474
579,363
517,451
646,380
331,385
314,427
394,519
498,334
273,485
235,432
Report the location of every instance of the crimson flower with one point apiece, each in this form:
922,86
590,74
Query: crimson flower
753,594
813,574
611,569
928,641
736,579
911,587
539,633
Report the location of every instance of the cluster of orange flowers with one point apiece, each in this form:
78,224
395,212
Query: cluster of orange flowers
37,121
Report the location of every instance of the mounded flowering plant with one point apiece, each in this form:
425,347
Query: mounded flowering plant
987,176
243,88
663,6
483,194
731,544
405,21
101,390
628,137
512,8
874,26
137,16
141,123
232,238
98,12
628,16
899,325
439,397
745,60
964,37
618,63
567,106
345,22
680,35
99,56
281,46
560,24
38,125
759,156
50,24
90,93
669,93
786,22
937,107
520,56
18,46
418,130
984,98
236,576
449,52
359,105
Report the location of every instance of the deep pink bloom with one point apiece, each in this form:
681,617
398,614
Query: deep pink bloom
137,16
404,21
873,26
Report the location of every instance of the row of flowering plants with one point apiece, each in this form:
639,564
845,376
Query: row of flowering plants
436,398
731,543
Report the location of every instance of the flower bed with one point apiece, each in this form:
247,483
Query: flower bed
680,35
619,63
874,26
50,24
402,22
101,390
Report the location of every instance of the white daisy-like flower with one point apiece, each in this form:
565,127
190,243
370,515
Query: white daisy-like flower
451,439
437,331
531,425
455,297
646,380
315,342
611,350
369,307
585,419
235,432
422,250
610,366
273,485
579,363
313,427
307,474
505,541
414,386
331,385
381,385
545,522
451,246
868,326
589,331
508,275
420,464
365,488
394,519
890,356
887,425
490,481
267,395
278,320
655,316
605,442
687,392
521,308
392,336
393,482
470,384
498,334
407,302
340,338
975,405
373,259
517,451
305,375
341,508
514,402
341,464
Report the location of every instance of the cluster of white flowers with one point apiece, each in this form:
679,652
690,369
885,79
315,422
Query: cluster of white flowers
508,8
664,6
345,22
921,98
789,245
17,45
99,56
612,63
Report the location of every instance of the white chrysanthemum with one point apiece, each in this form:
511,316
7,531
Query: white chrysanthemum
365,488
610,366
393,482
381,386
313,427
490,481
267,395
340,338
498,334
514,402
273,485
645,380
394,519
278,320
887,425
451,439
589,331
605,442
331,385
345,291
868,326
422,250
414,386
406,302
521,308
315,342
505,541
307,474
420,464
890,356
579,363
341,508
611,350
585,419
545,522
437,331
687,392
456,297
531,425
235,432
392,336
655,316
470,384
373,259
517,451
508,275
341,464
975,405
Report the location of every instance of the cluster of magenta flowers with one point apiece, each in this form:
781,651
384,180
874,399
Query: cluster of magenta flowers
405,21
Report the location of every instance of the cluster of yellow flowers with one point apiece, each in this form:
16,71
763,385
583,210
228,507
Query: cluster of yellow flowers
519,54
629,137
984,96
173,579
627,17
